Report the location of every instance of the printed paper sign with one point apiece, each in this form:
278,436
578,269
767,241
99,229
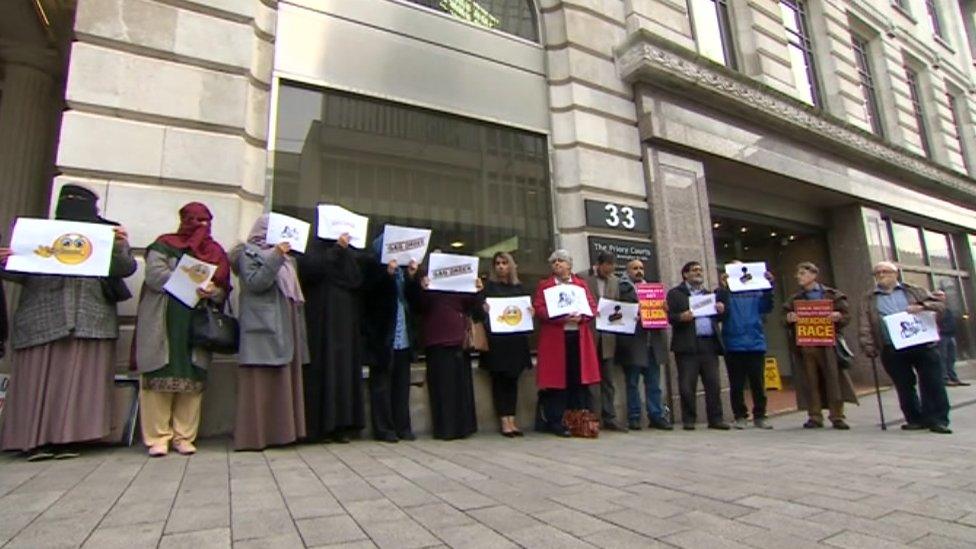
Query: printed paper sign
651,296
71,248
566,299
404,244
814,327
284,228
702,305
334,221
453,273
510,314
908,330
744,277
616,316
190,274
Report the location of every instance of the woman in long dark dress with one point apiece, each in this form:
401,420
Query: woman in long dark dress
444,317
331,278
508,354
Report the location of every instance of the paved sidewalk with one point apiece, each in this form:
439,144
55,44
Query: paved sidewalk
789,487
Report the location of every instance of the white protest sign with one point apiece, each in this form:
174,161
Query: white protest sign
190,274
566,299
334,221
744,277
616,316
510,314
284,228
702,305
71,248
404,244
908,330
452,273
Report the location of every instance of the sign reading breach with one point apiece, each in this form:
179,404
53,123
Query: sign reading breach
814,327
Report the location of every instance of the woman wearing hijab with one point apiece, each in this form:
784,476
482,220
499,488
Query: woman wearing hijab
173,371
444,317
508,354
331,280
270,404
64,333
567,361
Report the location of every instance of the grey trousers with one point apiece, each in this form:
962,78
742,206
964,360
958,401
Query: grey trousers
607,410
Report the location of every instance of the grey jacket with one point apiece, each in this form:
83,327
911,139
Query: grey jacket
265,316
607,342
53,307
152,341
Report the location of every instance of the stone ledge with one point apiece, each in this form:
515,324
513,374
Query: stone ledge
643,57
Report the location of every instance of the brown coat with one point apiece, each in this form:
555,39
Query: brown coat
607,341
869,327
846,389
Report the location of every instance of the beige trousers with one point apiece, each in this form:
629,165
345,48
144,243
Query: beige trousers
821,380
169,417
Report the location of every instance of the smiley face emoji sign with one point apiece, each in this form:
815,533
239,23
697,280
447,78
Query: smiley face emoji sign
69,249
197,273
512,315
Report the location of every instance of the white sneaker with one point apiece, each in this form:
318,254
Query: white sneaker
760,423
740,423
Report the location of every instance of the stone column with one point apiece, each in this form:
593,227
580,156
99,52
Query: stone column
27,115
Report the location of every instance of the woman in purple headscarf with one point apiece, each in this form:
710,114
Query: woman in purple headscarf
270,405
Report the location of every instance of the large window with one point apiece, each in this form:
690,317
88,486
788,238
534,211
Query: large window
800,47
481,187
934,19
928,258
713,30
869,93
915,93
956,106
512,16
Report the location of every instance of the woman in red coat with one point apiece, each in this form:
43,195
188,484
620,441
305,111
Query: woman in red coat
567,362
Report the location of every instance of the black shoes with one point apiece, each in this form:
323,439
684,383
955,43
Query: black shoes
721,426
407,436
612,425
840,424
812,424
387,437
688,426
634,425
661,425
941,429
912,427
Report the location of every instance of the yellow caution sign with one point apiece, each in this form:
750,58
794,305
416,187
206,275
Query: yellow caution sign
772,374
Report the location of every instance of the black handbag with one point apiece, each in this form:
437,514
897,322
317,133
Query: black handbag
845,357
213,330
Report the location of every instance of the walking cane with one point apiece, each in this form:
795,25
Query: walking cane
877,391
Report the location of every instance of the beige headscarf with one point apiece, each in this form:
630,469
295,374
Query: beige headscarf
287,275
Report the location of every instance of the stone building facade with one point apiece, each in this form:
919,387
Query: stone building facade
767,130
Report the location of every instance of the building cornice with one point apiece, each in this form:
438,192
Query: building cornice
647,58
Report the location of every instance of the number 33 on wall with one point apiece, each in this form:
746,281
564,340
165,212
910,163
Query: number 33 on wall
608,215
620,216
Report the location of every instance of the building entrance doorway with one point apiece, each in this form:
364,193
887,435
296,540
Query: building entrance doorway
781,245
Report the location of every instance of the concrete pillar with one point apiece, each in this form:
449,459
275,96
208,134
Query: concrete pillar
27,115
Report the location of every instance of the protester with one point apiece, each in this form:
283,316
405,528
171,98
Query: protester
273,345
744,340
508,354
64,334
174,373
637,354
331,279
696,345
389,350
4,328
947,344
821,381
444,317
904,366
602,282
567,359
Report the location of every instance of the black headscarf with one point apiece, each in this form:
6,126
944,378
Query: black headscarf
76,203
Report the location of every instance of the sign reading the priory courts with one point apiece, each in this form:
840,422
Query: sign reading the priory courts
625,251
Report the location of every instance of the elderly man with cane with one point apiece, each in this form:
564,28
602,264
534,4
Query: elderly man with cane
909,365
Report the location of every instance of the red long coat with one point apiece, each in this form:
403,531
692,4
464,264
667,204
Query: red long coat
551,367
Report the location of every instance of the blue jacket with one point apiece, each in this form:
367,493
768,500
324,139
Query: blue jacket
742,321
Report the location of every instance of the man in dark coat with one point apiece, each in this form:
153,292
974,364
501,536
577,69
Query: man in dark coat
696,345
928,407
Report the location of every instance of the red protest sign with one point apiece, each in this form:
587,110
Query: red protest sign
814,327
650,296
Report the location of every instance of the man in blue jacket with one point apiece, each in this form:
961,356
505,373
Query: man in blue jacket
745,349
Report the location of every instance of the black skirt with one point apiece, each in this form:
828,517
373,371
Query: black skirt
451,393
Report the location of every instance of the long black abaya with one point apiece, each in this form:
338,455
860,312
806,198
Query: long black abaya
331,278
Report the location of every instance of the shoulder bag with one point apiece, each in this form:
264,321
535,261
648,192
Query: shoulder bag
213,330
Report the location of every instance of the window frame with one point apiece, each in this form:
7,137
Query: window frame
723,21
804,42
912,78
869,91
958,125
935,20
